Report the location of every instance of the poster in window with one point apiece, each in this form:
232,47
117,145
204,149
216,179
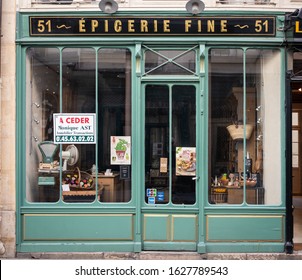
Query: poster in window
120,150
185,161
163,167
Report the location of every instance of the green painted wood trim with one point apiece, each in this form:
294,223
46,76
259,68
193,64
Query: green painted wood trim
202,140
175,228
27,247
89,227
20,136
137,142
169,246
245,228
74,209
283,124
184,228
23,27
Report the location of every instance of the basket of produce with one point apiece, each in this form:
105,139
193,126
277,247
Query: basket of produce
219,194
78,180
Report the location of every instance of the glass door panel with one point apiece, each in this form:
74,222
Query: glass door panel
170,144
157,146
183,144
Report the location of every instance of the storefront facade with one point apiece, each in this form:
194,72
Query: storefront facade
150,132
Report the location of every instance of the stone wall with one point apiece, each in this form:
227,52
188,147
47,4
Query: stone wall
7,130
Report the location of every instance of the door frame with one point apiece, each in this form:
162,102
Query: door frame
169,215
298,128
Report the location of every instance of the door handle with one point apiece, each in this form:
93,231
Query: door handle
195,178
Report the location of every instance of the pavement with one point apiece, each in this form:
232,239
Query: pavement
160,255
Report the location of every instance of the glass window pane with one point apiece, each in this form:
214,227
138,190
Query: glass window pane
295,118
183,144
79,96
114,125
170,62
226,126
167,151
295,160
263,71
157,147
42,100
295,148
295,135
247,155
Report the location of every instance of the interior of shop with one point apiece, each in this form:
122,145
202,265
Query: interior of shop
296,87
112,101
241,132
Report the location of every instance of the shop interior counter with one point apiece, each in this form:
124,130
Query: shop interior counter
112,187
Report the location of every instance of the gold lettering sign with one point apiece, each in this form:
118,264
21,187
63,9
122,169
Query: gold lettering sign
298,28
173,26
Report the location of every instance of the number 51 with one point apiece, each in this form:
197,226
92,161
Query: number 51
42,26
259,25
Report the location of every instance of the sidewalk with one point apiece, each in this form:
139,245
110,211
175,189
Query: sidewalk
159,255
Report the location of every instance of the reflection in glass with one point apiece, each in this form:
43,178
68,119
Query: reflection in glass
170,144
244,141
226,108
184,141
114,119
295,118
110,100
42,100
157,148
263,75
170,62
79,96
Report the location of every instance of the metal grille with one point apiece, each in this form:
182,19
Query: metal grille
164,61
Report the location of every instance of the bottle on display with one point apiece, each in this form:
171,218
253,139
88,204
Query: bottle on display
248,165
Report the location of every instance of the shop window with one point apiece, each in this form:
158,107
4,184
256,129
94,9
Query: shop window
78,96
245,128
42,101
83,83
114,126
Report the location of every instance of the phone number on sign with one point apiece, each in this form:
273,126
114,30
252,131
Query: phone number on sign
198,270
74,139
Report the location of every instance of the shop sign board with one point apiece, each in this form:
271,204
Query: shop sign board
298,29
152,26
74,128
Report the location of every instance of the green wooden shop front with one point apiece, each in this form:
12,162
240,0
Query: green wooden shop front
150,132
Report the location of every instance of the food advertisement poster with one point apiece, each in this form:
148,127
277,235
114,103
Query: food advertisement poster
185,161
120,150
